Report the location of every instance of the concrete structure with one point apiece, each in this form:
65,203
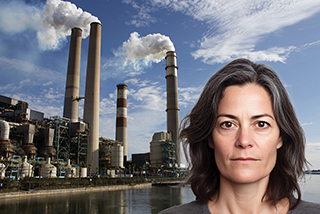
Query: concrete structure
28,131
173,121
47,149
162,150
71,100
11,103
92,95
121,123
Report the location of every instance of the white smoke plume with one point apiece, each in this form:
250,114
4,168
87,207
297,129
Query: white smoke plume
138,53
152,47
53,22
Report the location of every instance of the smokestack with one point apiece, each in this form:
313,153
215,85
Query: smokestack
121,124
173,121
91,104
71,102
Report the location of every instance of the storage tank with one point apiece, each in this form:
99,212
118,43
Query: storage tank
117,156
48,170
83,172
26,168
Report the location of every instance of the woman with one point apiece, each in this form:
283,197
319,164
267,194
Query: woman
245,144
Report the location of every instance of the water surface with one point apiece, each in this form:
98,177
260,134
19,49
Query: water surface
149,200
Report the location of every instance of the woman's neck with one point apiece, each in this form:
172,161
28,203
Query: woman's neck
244,198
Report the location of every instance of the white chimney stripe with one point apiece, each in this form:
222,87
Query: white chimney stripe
122,93
172,71
121,112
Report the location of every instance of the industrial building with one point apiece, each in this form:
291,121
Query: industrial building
70,145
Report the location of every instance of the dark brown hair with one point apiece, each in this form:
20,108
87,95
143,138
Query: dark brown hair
198,125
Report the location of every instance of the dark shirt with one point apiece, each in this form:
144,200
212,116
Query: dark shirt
195,207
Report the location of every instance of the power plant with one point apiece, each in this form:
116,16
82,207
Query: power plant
71,146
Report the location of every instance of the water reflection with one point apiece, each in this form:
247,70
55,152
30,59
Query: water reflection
149,200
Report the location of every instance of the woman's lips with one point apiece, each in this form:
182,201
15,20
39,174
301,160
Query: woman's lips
244,159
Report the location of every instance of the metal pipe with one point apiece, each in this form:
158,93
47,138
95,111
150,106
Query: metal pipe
71,100
92,96
173,121
121,123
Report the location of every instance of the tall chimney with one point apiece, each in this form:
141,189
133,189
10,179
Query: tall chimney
121,124
71,103
173,121
91,103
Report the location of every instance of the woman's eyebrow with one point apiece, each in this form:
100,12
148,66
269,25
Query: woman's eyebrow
228,115
262,115
253,117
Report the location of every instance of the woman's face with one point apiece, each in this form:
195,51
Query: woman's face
246,136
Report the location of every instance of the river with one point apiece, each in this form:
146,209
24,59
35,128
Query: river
149,200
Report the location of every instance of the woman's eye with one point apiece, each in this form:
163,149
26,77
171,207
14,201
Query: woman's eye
227,125
262,124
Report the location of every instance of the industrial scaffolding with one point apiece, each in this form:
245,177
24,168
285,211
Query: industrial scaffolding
78,148
69,143
168,152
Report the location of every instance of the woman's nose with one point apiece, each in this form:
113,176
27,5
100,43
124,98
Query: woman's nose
244,139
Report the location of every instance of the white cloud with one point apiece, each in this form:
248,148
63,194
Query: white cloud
236,27
312,154
307,124
40,75
143,18
132,81
149,97
107,116
188,96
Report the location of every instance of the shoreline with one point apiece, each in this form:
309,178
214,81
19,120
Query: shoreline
12,195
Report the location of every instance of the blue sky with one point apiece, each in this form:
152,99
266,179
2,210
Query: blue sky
34,46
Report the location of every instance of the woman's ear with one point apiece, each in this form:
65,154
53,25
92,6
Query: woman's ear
210,142
279,143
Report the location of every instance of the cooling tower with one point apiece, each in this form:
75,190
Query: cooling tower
91,103
71,102
172,101
121,124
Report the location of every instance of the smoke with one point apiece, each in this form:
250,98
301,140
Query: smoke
152,47
52,22
138,53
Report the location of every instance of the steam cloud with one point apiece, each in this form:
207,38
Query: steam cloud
152,47
53,22
138,53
